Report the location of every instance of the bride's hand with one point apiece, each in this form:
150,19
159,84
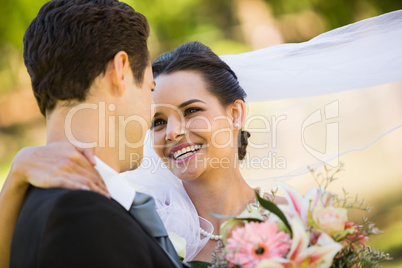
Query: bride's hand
58,164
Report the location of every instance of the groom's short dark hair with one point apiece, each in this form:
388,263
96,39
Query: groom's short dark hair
70,43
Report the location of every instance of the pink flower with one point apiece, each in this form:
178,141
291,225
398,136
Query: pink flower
255,242
330,219
356,235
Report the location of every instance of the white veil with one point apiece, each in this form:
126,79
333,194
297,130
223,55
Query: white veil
364,58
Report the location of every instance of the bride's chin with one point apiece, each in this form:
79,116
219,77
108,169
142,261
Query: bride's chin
188,170
187,174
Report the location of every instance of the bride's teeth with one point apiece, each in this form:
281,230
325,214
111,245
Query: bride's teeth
184,152
185,155
182,156
176,154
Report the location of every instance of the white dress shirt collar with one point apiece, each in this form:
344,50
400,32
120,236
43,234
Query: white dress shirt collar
119,188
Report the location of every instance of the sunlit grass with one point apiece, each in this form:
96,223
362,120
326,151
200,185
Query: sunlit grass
4,168
391,242
390,239
392,264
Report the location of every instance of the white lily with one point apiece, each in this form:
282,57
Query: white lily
299,205
301,254
272,263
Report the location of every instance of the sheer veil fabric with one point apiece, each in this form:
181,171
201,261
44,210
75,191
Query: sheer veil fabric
308,104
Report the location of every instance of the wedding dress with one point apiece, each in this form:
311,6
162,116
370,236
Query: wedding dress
363,58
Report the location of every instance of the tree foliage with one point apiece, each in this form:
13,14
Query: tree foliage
174,22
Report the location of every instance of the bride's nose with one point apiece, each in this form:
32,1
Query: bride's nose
174,130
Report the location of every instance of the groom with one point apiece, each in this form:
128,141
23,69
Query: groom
91,76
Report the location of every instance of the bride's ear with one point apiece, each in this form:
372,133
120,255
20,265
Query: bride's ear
120,72
238,113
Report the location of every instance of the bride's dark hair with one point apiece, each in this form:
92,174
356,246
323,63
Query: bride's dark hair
219,77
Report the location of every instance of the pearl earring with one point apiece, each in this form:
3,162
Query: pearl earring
237,125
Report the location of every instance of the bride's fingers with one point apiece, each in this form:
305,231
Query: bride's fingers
85,159
43,166
76,183
62,171
87,176
89,154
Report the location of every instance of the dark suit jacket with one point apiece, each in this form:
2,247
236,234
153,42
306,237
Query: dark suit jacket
64,228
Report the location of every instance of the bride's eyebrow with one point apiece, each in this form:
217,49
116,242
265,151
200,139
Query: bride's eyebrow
184,104
157,114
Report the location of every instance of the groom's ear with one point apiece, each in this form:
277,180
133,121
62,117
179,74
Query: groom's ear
121,72
238,112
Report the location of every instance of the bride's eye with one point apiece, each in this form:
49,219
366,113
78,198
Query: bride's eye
191,111
157,123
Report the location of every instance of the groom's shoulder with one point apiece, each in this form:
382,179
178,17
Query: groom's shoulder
56,224
56,199
43,206
56,196
56,211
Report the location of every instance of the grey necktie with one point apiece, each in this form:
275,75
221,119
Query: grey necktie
143,209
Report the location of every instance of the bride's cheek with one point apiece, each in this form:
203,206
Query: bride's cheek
199,124
221,136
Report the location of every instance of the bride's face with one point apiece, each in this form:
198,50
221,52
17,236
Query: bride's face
191,131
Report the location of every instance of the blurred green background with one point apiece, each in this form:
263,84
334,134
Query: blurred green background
227,26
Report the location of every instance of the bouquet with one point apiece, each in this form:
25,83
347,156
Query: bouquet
309,231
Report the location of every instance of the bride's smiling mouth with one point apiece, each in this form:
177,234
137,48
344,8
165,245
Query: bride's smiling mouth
184,152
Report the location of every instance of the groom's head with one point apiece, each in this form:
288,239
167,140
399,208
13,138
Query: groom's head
91,51
71,42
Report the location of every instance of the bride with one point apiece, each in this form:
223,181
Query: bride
197,132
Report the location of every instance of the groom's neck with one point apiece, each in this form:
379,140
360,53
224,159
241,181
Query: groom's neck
83,127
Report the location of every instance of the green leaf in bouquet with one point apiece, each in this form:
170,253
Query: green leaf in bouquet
270,206
338,236
199,264
248,219
220,216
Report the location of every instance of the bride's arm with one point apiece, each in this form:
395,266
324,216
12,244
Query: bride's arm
54,165
11,197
